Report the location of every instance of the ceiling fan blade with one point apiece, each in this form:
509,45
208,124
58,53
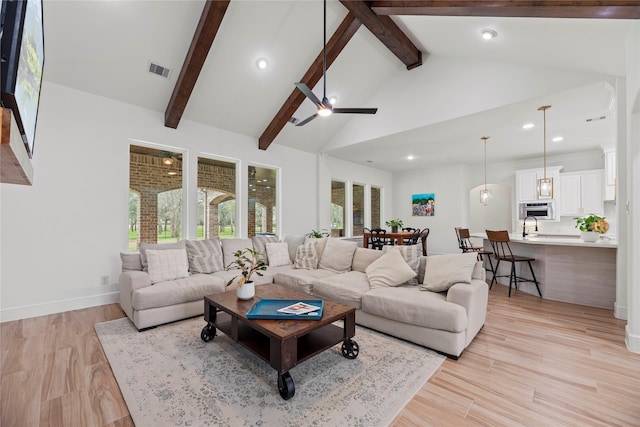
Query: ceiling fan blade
307,92
307,120
355,110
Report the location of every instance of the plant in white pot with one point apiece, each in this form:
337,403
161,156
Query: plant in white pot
248,262
591,227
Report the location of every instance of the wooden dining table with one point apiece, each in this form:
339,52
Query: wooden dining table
398,237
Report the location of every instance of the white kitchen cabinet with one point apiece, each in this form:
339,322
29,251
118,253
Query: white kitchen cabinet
581,193
610,170
527,182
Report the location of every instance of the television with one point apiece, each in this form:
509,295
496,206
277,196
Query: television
22,64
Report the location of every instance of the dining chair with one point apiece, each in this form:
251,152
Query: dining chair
423,239
379,238
366,230
502,251
465,244
409,240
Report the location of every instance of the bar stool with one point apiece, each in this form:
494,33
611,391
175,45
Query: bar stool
465,245
500,244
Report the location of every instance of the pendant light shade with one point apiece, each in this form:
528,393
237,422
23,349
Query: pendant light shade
485,194
545,185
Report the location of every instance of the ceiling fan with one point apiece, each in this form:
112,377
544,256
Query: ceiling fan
324,107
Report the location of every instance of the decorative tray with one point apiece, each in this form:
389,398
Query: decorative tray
269,309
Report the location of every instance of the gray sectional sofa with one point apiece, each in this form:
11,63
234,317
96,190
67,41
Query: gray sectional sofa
438,302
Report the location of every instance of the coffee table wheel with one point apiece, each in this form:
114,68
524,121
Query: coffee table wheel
350,349
208,332
285,386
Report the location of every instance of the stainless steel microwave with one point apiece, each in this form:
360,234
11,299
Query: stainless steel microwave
538,210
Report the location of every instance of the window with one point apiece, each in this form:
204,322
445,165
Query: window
155,196
358,210
216,199
375,207
262,200
337,208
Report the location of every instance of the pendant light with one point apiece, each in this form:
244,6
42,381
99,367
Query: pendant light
545,185
485,194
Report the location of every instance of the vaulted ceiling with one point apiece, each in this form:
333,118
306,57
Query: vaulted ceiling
374,48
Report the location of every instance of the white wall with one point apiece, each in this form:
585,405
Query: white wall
450,187
62,234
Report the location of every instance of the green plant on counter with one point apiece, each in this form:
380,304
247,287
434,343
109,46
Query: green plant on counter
592,223
318,234
394,223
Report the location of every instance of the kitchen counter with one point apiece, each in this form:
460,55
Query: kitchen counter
567,268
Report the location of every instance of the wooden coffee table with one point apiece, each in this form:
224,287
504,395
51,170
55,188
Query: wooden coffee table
282,343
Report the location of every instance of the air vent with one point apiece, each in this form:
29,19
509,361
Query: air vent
159,70
595,119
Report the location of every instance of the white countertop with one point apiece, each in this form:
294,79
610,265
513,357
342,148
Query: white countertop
557,240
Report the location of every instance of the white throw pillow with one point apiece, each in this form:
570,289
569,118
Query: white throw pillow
411,255
443,271
167,264
260,246
389,270
278,254
144,247
231,246
307,256
320,244
205,256
337,255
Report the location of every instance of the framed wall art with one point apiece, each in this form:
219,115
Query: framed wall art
423,204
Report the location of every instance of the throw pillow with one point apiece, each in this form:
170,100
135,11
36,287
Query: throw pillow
260,246
230,246
411,255
389,270
294,241
321,243
278,254
205,256
337,255
168,264
307,256
443,271
165,246
131,261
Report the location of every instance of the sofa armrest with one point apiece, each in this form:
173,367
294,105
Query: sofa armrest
129,282
473,297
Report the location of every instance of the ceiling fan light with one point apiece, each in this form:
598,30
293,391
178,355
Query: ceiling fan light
324,112
488,34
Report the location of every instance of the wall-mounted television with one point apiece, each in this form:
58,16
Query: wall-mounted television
22,64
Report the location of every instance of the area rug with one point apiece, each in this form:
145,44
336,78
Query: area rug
170,377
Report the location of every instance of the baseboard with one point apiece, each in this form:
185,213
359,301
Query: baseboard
60,306
632,341
619,311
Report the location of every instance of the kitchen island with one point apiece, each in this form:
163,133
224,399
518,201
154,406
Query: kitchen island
567,268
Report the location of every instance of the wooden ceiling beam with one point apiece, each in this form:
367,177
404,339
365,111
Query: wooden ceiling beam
589,9
335,45
387,32
210,20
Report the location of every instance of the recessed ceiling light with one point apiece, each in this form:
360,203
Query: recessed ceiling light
262,63
527,126
557,139
488,34
410,157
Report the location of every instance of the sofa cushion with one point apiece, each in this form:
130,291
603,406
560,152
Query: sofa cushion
293,241
231,246
443,271
346,288
389,270
278,254
154,246
178,291
363,257
131,261
260,246
168,264
205,256
307,256
411,255
409,305
321,244
337,255
301,280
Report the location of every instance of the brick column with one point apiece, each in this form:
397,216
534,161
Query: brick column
148,216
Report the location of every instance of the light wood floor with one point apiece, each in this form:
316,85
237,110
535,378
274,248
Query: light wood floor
535,363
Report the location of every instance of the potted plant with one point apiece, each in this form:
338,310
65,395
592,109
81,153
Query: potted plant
394,224
591,227
318,234
247,262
